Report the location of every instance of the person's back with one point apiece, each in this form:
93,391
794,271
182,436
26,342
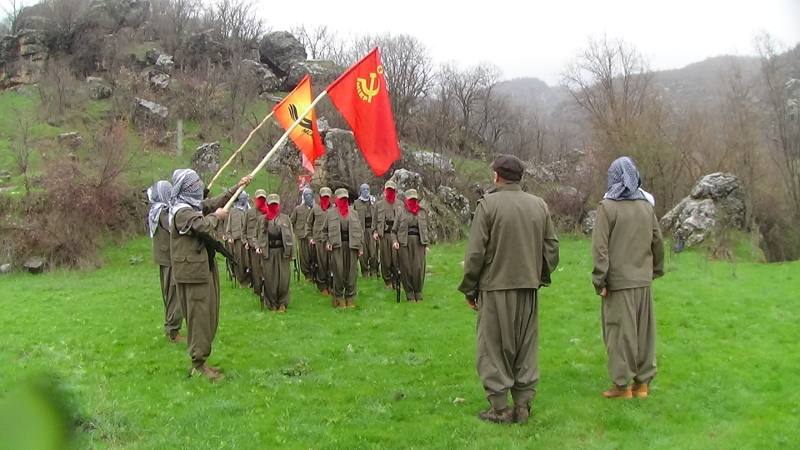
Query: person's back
629,232
520,225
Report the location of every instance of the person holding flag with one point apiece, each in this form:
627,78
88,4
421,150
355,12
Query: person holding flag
314,229
343,239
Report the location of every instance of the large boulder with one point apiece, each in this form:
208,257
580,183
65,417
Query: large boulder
206,158
267,81
200,48
323,73
149,114
280,50
35,265
343,164
98,88
716,199
22,57
435,160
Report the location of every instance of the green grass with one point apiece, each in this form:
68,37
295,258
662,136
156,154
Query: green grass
330,379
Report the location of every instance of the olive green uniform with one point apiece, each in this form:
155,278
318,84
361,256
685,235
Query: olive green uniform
314,230
411,232
305,250
234,229
346,238
196,275
385,214
276,241
369,256
511,252
628,252
173,315
251,217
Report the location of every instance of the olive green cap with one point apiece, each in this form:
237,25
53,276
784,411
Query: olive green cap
273,198
325,192
411,193
390,185
261,193
342,193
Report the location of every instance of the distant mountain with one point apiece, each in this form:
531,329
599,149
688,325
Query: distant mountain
534,92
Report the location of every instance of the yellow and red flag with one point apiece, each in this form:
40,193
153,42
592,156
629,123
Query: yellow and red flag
305,135
361,96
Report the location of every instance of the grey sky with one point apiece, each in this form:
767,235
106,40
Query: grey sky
536,39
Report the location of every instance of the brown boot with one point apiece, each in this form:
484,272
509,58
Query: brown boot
207,372
176,337
351,304
390,287
273,308
522,413
616,392
282,309
505,415
325,292
341,304
640,390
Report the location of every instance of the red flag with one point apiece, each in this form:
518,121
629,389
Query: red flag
305,135
361,96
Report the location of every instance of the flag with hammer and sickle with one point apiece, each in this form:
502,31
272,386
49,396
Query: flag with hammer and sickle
361,96
305,135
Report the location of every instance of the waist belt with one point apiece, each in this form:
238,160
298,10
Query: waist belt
345,236
274,237
388,227
275,244
368,222
413,231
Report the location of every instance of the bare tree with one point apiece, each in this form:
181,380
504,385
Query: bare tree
781,75
321,43
12,10
235,23
22,148
172,18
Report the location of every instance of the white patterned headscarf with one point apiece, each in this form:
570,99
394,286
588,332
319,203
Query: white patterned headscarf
363,193
187,191
159,195
242,202
308,197
624,181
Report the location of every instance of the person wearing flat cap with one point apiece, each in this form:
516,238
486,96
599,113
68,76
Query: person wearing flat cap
411,239
511,251
275,245
343,239
195,271
305,252
251,217
385,211
314,227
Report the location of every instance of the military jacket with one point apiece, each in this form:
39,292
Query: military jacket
627,246
299,218
161,240
385,213
512,243
366,212
332,229
401,223
287,235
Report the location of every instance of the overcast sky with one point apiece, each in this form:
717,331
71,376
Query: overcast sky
536,38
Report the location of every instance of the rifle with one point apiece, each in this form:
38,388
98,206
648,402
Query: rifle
211,245
397,284
296,257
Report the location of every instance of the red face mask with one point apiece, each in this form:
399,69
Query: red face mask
391,194
273,209
343,205
261,204
325,203
412,205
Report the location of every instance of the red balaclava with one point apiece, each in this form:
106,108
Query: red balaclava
261,204
325,202
273,209
344,206
391,194
412,205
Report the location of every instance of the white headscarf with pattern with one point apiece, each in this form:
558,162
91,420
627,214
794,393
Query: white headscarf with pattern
159,195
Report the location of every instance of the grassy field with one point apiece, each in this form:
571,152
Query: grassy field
385,375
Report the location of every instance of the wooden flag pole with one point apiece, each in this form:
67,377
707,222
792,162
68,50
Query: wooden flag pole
277,145
227,163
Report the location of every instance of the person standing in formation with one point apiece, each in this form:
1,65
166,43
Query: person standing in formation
275,244
251,217
158,222
314,228
343,239
234,235
511,252
365,207
305,251
195,272
410,239
385,211
628,253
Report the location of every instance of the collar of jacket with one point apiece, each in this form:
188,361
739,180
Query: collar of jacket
509,187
